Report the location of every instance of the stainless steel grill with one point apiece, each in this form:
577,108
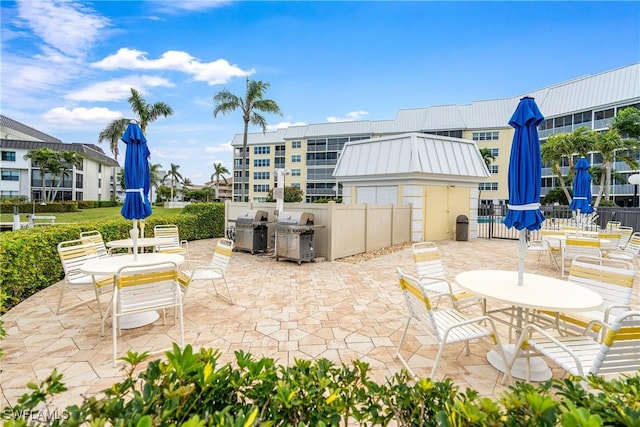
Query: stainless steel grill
251,231
294,236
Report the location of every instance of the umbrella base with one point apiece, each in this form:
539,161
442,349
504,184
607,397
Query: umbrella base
137,320
539,370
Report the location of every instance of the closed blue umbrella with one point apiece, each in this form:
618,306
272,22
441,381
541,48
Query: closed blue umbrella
581,201
137,179
525,174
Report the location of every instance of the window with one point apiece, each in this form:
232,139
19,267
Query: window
491,186
261,188
604,114
261,163
79,178
494,151
262,149
261,175
8,156
295,172
296,144
99,167
485,136
583,117
296,158
10,175
493,169
9,194
450,133
79,195
295,185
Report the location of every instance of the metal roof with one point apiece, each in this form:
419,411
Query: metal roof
89,151
584,93
410,154
23,129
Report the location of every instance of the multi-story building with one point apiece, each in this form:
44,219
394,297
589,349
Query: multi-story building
311,152
94,179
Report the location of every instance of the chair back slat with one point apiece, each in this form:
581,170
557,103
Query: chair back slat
73,254
222,254
96,237
419,304
619,352
147,287
611,279
171,236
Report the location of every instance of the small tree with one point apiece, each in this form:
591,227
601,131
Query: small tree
251,105
291,195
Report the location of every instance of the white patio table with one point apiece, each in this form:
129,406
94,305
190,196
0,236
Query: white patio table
109,266
537,292
143,242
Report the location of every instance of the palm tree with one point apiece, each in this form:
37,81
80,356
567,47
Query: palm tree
487,156
251,105
563,145
174,176
66,161
611,146
219,172
186,183
154,177
44,158
146,113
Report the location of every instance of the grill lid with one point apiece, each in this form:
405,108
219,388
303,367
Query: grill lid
252,215
295,218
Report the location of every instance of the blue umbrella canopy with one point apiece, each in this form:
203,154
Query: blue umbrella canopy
137,175
582,188
525,168
525,175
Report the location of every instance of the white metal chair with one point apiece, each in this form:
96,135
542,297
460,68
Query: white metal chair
174,245
74,253
625,235
213,271
96,237
575,246
631,251
144,288
446,326
433,278
581,355
542,247
611,279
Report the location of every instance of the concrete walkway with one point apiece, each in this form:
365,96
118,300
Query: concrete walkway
342,310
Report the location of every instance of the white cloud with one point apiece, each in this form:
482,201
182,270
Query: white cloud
118,89
61,116
284,125
215,72
351,117
190,5
220,148
67,26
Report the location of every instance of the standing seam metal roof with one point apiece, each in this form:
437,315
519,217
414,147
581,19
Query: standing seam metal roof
411,153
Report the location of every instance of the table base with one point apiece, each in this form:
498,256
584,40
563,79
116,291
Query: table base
539,370
137,320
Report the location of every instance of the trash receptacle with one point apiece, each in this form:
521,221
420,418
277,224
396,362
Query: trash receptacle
462,228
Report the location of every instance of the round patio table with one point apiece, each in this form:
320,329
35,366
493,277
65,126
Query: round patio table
537,292
142,243
109,266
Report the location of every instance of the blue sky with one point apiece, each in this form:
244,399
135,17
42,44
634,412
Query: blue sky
67,66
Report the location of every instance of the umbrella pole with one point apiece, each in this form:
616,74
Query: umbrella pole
134,237
522,254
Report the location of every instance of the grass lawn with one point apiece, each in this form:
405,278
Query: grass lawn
88,215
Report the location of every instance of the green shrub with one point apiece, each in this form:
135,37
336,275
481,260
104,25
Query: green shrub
195,389
29,257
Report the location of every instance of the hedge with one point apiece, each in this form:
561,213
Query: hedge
29,257
195,389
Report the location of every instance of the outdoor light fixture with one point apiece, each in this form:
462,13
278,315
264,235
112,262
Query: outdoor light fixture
635,180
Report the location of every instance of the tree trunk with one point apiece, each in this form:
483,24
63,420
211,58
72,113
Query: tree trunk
244,160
